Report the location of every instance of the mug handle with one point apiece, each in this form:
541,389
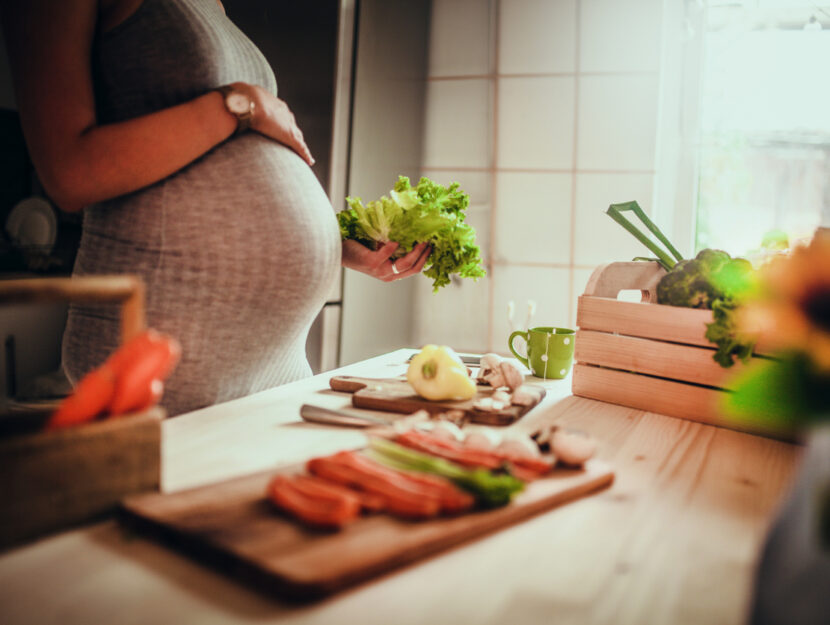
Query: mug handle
524,335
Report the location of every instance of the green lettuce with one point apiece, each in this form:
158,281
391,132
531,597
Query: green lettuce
428,212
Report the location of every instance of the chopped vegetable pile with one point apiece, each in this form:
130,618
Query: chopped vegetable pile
712,280
428,212
422,474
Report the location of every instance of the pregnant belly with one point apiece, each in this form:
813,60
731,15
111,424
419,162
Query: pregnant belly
249,216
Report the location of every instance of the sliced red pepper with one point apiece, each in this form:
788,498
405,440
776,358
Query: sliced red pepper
461,455
398,498
368,502
89,399
317,509
139,366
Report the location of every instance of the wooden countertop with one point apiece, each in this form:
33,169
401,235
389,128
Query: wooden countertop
674,540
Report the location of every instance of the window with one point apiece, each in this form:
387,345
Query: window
762,144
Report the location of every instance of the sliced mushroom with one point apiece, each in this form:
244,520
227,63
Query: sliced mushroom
522,398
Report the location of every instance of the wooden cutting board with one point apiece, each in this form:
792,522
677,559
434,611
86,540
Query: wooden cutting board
233,526
396,395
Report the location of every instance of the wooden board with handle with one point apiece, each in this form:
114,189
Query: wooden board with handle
233,526
396,395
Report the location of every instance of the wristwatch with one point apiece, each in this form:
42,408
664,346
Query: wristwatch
239,104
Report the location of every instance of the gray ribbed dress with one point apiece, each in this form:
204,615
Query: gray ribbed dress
239,249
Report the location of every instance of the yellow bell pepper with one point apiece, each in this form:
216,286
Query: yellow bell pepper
437,373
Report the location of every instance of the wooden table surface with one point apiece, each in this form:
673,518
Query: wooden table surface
675,539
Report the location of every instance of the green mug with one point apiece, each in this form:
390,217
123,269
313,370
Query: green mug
550,351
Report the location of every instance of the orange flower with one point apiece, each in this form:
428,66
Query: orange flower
792,308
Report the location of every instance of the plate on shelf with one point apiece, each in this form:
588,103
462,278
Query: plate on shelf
32,224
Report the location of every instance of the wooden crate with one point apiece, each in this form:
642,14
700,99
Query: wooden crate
53,479
646,355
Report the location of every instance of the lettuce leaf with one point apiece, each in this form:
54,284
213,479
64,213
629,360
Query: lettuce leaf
428,212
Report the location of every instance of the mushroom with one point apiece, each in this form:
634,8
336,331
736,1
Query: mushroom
490,370
484,439
513,378
523,398
573,448
518,444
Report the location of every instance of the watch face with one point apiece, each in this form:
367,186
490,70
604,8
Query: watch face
238,103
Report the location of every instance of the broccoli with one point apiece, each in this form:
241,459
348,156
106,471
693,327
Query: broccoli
698,282
712,280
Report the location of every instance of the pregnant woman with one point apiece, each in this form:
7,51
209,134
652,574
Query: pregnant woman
159,119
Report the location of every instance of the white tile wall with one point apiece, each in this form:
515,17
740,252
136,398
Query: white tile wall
457,315
548,287
537,36
617,122
580,280
477,184
598,238
556,119
533,220
458,123
460,38
536,122
619,35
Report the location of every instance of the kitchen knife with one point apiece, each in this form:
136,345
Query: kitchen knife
467,359
327,416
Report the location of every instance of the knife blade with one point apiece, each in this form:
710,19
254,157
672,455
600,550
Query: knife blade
467,359
328,416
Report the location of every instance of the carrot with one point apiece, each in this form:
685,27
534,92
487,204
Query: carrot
89,399
323,510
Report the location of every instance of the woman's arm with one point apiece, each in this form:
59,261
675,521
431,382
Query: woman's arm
79,162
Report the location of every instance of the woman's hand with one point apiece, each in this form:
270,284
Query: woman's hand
273,118
379,263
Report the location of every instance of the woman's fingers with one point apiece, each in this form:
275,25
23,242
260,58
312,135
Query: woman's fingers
274,119
299,145
380,264
407,265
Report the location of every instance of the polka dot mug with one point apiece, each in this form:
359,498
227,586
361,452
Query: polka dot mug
550,351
